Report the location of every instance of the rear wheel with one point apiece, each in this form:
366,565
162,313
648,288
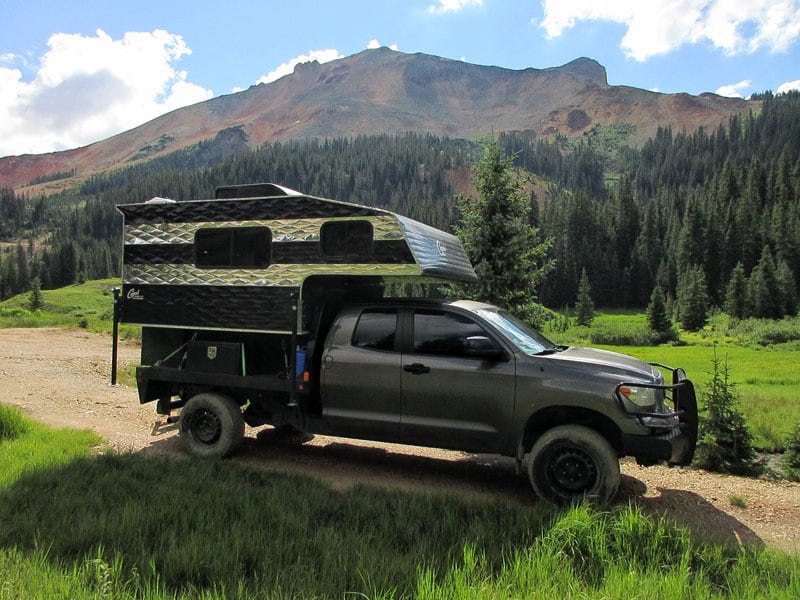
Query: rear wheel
571,463
211,425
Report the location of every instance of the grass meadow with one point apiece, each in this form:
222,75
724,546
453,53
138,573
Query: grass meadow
87,305
82,524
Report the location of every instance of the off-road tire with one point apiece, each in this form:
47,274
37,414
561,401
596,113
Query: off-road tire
572,463
211,425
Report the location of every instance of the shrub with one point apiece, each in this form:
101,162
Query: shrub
560,322
15,311
622,335
725,443
791,457
12,423
767,333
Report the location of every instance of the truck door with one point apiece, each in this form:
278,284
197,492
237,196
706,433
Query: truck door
361,376
451,399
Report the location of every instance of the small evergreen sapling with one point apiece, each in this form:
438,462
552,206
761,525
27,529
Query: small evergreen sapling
584,306
725,443
35,299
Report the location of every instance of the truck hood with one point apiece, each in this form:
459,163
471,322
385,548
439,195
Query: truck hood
606,360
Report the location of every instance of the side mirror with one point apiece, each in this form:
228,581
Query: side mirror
481,346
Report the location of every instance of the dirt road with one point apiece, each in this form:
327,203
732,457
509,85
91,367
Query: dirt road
61,377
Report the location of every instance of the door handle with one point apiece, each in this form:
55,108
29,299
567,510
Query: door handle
417,368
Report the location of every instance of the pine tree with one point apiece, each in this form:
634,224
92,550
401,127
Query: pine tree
736,294
691,245
693,299
787,288
584,306
23,269
763,294
508,256
658,318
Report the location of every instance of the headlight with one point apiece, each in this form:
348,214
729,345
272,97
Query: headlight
642,397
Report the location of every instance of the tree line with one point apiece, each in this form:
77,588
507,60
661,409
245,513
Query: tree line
717,212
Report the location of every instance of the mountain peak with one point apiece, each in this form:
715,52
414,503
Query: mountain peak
383,91
587,67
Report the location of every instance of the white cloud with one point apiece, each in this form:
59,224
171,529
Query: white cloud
451,6
734,90
374,44
660,26
89,88
321,56
789,86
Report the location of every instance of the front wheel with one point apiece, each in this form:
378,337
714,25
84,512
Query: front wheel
571,463
211,425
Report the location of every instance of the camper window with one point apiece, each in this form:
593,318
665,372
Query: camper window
232,247
346,239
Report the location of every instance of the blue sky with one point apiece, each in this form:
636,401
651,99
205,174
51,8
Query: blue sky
74,72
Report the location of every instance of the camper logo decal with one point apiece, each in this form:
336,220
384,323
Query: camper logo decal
134,294
441,248
211,352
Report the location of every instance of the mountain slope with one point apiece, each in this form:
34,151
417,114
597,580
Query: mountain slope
382,91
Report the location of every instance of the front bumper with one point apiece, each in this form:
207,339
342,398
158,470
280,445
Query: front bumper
675,446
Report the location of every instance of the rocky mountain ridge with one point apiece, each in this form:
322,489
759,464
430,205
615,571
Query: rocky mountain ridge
383,91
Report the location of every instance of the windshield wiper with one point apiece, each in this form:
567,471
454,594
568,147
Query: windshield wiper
553,350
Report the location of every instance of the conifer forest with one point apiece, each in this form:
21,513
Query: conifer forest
718,210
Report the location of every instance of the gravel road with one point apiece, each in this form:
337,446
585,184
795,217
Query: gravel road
61,377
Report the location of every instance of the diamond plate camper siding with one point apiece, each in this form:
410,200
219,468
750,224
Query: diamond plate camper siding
165,284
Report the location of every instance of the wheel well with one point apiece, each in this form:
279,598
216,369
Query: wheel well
554,416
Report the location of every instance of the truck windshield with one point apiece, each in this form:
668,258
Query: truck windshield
524,337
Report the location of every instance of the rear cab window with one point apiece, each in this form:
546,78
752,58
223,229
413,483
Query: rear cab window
376,329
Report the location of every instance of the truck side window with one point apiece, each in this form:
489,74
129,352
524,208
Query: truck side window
346,239
438,332
232,247
376,329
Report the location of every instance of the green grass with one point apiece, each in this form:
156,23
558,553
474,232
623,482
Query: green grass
87,305
80,525
22,440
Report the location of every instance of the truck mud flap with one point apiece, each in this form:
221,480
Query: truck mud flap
686,405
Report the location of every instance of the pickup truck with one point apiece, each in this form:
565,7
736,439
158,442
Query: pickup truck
265,306
456,375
